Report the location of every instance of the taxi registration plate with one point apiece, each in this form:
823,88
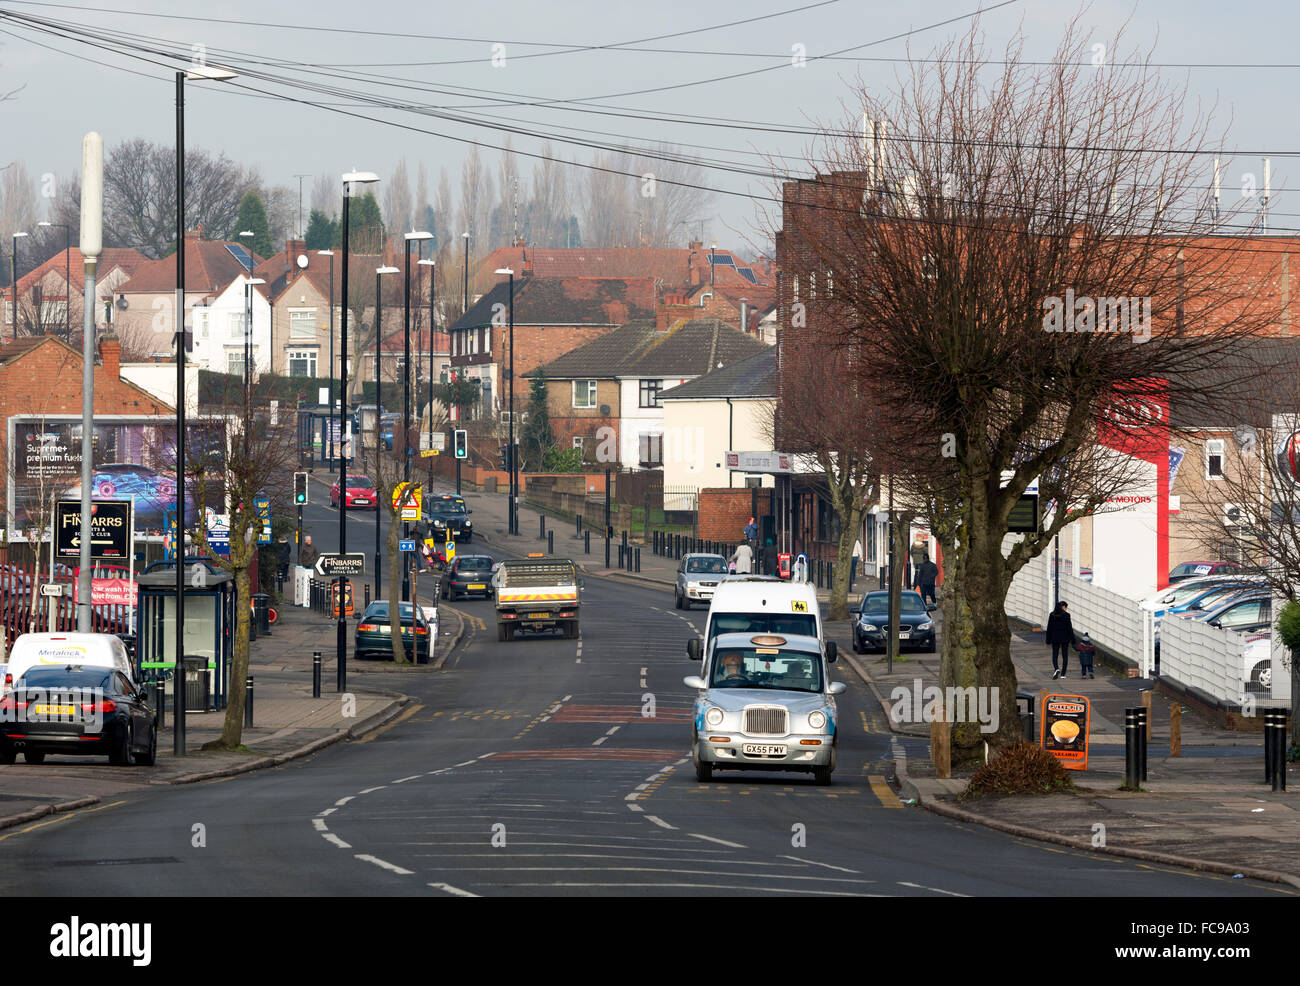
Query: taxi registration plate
763,749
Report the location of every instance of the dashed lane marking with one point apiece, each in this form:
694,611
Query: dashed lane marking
371,790
660,822
937,890
454,891
721,842
319,825
813,862
384,864
332,838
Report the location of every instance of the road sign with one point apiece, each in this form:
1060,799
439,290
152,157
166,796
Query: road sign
433,444
262,505
219,534
333,564
348,608
110,525
449,550
411,509
428,453
51,589
406,545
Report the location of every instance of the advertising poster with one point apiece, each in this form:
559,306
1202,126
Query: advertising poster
1064,730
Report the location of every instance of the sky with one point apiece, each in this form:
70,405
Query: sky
467,58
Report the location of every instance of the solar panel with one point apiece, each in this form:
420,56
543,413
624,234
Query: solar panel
722,259
747,274
240,254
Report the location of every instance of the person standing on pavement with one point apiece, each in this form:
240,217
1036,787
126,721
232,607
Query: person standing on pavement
743,556
1060,634
751,533
769,558
919,553
926,576
307,554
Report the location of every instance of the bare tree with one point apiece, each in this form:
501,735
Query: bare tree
1003,190
281,203
550,201
326,192
397,200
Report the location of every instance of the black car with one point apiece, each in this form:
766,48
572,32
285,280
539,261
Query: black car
468,575
374,629
915,626
77,711
447,515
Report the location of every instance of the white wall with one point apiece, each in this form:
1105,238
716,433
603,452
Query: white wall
696,435
635,420
159,379
218,329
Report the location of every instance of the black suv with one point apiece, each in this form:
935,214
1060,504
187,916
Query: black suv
447,515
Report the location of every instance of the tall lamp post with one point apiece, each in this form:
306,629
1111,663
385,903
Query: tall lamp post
330,411
13,279
349,179
248,356
407,557
464,307
432,288
379,335
514,458
215,73
67,273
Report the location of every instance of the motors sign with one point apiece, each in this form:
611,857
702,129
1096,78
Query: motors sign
110,529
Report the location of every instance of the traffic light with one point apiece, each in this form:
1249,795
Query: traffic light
300,488
462,443
505,457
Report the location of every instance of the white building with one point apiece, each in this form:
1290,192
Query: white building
219,329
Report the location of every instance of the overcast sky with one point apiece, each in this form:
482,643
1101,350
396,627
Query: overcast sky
68,88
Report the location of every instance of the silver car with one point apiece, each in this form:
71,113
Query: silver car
698,576
765,703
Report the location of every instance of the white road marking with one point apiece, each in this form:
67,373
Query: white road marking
366,857
635,808
403,780
721,842
611,732
455,891
370,790
484,756
642,786
331,837
920,886
342,801
599,741
631,797
319,825
578,661
711,886
813,862
327,812
566,698
660,822
465,764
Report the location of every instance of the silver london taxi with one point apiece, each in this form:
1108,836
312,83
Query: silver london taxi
765,703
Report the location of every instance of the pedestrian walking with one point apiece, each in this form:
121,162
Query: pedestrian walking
919,552
1060,634
283,552
751,533
770,561
1087,655
799,572
307,554
855,563
927,575
743,556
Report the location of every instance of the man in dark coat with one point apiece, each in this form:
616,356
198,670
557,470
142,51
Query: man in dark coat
1060,634
926,576
770,561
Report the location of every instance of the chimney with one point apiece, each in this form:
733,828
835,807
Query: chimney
110,354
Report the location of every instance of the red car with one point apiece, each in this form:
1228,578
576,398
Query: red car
1199,569
361,493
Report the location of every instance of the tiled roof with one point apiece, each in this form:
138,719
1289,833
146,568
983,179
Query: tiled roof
671,267
637,349
128,259
209,267
754,376
567,301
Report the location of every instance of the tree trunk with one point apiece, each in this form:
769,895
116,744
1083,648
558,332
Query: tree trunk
232,730
839,602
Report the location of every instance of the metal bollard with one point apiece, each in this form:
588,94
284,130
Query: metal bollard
160,701
638,559
1279,752
248,700
586,542
1132,730
541,520
830,574
621,549
1142,743
315,674
579,527
367,595
550,542
1270,747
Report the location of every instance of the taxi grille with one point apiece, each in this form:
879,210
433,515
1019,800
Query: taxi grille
771,721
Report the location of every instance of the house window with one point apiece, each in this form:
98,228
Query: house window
302,363
201,322
473,342
445,374
796,287
235,364
1214,458
652,449
237,325
302,323
650,393
584,393
577,441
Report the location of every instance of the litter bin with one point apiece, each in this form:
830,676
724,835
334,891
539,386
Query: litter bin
196,683
1026,711
262,612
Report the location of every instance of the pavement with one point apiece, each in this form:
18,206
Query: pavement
1208,809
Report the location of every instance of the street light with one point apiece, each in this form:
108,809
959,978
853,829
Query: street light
248,355
514,459
330,411
410,237
67,274
432,288
465,302
215,73
360,178
13,271
379,334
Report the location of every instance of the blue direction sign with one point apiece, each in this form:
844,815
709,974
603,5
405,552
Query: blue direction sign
406,545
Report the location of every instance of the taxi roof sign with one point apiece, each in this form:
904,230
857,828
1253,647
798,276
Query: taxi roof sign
768,640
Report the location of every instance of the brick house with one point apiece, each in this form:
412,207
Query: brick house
552,316
615,382
43,293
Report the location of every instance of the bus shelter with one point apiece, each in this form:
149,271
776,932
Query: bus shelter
209,623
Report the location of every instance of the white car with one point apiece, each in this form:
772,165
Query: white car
1257,662
765,702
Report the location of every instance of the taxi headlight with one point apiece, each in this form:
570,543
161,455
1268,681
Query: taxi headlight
713,717
816,720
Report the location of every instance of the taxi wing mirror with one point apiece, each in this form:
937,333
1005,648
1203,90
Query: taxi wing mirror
694,681
836,688
693,648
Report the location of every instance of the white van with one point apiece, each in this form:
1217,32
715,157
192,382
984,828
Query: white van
762,604
96,650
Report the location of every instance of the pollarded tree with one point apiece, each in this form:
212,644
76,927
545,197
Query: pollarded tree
1015,257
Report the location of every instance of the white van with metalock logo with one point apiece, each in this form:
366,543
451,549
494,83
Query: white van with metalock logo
98,650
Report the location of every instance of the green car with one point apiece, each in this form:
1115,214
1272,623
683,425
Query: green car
373,632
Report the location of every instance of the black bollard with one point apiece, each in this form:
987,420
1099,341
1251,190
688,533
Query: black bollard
1279,752
579,527
1270,748
248,700
1131,764
638,559
367,596
541,520
586,542
160,701
315,674
1142,742
550,542
620,556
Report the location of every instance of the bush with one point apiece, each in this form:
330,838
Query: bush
1288,626
1022,769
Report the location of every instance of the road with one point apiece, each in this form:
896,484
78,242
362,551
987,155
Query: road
536,768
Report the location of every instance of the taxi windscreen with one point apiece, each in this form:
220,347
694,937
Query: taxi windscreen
751,667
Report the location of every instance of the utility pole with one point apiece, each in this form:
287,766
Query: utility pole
301,230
